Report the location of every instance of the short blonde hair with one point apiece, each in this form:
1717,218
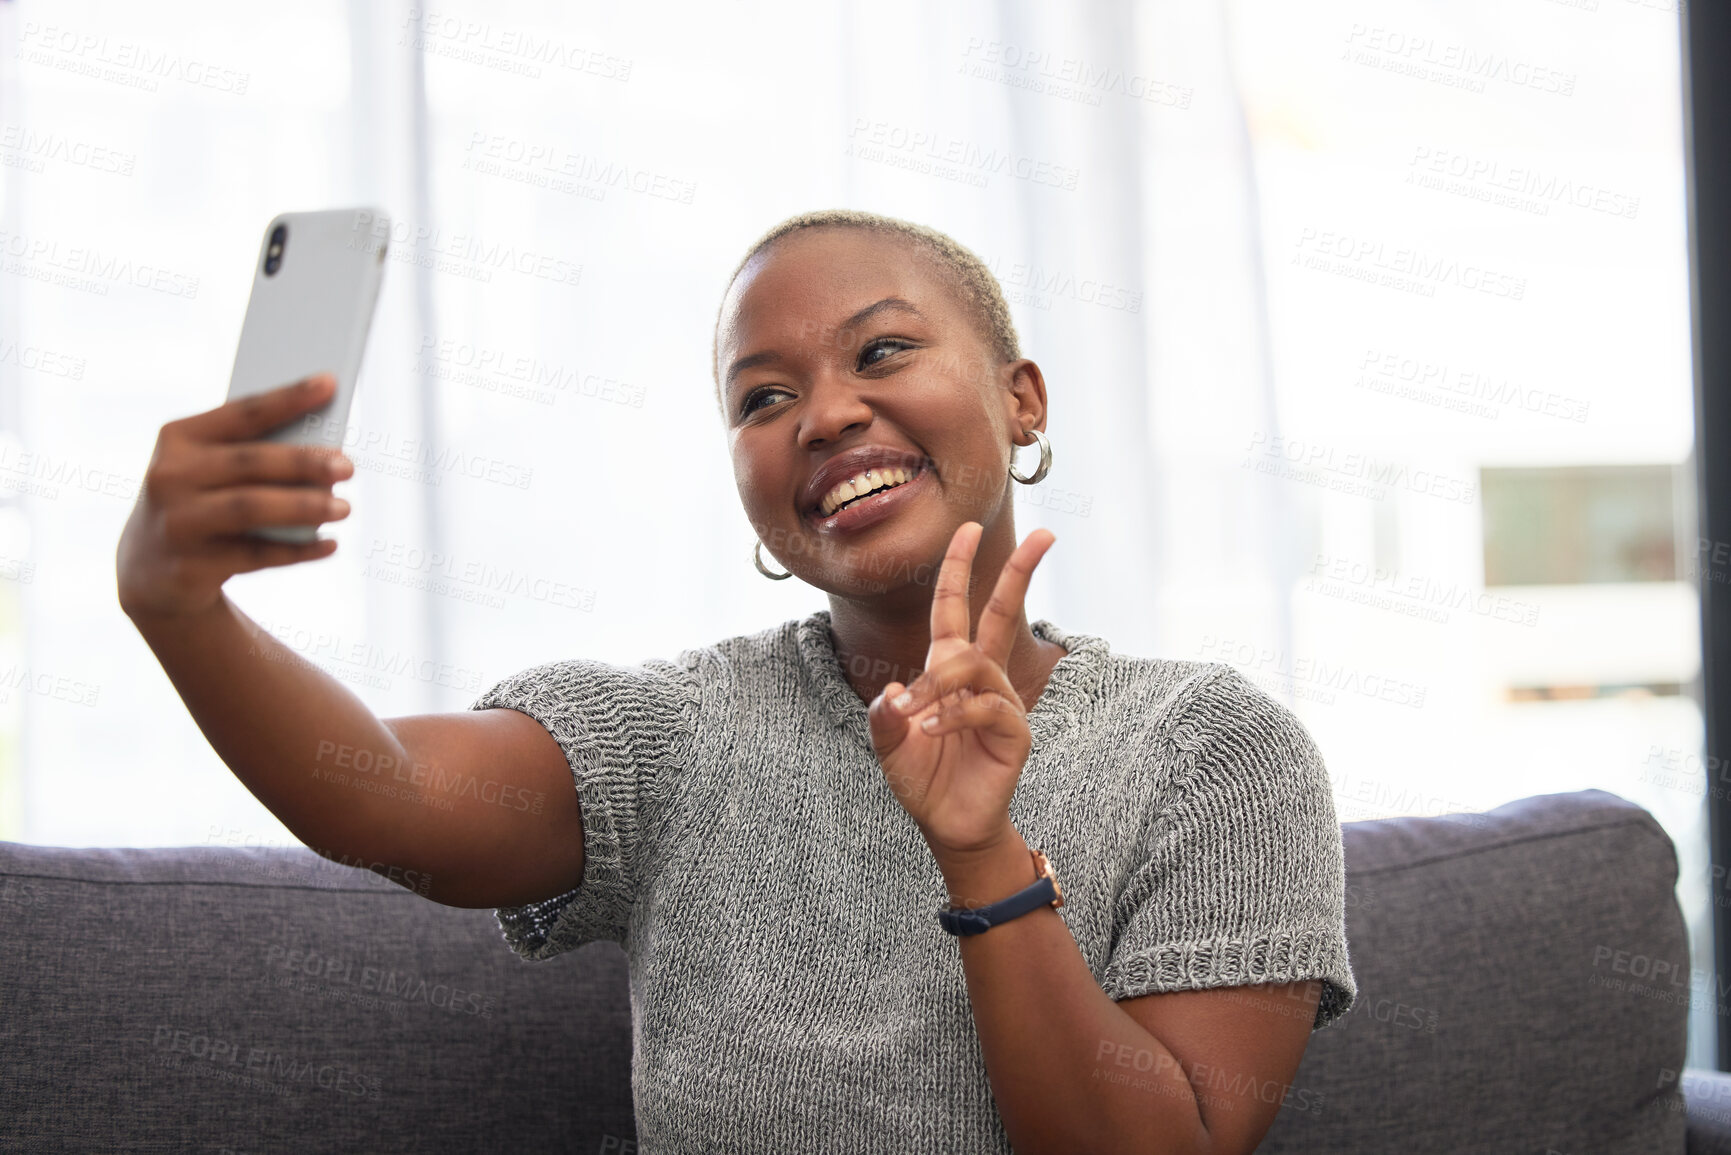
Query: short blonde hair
978,287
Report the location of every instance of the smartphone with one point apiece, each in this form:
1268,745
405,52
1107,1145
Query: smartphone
313,292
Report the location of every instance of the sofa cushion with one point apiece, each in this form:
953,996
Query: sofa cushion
1523,980
1523,986
207,998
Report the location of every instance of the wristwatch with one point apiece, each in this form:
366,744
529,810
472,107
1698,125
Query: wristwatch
1043,891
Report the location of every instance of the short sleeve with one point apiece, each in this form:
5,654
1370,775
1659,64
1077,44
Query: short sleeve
625,731
1243,877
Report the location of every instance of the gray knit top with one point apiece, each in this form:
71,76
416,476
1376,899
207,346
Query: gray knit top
791,989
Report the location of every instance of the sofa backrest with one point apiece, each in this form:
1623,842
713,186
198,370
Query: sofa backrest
1523,986
1523,982
221,999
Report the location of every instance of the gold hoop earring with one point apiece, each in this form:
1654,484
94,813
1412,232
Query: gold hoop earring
757,560
1045,459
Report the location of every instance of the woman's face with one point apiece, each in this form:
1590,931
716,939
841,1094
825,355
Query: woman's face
843,351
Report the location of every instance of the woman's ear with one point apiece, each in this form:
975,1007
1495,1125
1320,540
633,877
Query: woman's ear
1025,388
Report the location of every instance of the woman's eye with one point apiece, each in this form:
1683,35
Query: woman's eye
887,346
750,404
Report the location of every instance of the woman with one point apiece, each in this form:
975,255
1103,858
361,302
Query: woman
770,825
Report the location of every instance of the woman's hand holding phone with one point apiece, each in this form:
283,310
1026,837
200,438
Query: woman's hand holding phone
211,479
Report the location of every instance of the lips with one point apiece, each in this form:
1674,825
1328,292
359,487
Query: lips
843,466
864,512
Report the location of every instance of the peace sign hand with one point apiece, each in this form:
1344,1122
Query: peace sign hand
953,751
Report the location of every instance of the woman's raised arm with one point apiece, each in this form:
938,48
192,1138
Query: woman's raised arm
467,809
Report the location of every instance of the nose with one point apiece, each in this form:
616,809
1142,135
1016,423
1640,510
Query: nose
834,409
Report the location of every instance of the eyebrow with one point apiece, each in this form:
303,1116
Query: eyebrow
769,356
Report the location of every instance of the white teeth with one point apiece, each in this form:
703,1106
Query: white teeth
862,483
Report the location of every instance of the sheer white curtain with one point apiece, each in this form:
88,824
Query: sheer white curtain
542,470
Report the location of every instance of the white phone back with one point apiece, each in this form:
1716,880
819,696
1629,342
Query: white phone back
310,316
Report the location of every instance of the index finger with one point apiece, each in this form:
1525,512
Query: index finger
1004,610
246,418
950,618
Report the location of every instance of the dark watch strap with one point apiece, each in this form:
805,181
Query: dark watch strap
1043,891
981,919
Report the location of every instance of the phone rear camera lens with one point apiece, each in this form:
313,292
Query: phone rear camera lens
273,253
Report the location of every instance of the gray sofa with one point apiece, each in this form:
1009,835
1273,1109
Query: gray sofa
1523,979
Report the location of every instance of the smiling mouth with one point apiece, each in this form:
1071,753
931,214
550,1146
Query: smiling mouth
878,480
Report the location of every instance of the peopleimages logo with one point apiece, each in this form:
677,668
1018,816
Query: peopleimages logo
1542,188
88,269
1400,267
43,475
403,986
517,374
1320,676
1454,65
1039,283
122,62
1066,77
32,151
459,254
1412,594
1347,471
368,446
549,165
521,51
1121,1064
279,1069
1463,389
952,158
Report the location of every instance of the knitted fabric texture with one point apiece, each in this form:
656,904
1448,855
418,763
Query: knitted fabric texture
791,987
